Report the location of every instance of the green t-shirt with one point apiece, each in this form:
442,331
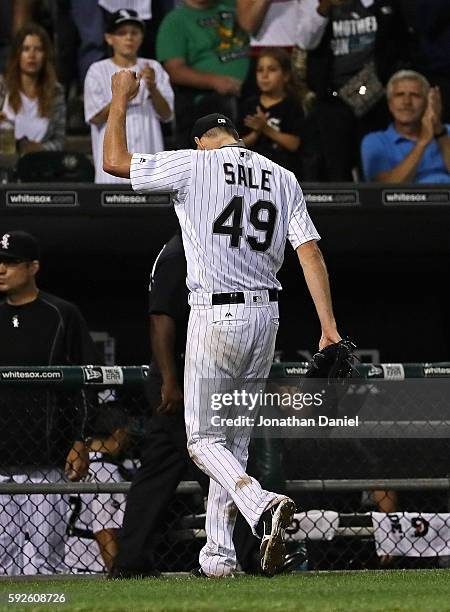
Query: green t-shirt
208,40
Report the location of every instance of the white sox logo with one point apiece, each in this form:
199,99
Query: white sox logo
5,241
15,321
221,121
125,14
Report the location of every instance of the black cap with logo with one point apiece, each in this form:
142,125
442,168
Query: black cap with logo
18,245
202,125
122,16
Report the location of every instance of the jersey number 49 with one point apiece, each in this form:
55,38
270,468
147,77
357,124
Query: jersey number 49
229,223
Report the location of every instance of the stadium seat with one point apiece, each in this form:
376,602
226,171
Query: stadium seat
55,167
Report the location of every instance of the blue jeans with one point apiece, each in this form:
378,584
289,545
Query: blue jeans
89,21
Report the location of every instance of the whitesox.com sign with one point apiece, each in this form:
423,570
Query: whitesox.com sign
41,198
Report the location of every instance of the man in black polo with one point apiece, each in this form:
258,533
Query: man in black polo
42,432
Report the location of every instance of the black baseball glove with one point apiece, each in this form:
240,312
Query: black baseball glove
335,361
326,374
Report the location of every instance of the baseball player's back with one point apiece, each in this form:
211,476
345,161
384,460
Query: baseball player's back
236,209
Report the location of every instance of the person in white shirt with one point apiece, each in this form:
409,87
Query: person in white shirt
152,103
33,100
271,23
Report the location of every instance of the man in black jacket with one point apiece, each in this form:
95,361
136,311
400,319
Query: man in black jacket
42,433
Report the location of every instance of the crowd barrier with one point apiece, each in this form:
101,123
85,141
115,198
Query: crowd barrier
88,196
363,501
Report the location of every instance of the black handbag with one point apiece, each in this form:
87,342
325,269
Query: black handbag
363,90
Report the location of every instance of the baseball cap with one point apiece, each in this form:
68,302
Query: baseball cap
19,245
123,16
202,125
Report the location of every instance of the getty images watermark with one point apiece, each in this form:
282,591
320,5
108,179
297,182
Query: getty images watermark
294,407
248,403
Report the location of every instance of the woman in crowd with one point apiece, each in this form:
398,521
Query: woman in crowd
32,98
271,122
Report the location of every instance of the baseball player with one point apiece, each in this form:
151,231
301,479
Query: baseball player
236,209
152,102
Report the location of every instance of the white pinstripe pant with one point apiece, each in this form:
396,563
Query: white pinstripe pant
32,529
226,343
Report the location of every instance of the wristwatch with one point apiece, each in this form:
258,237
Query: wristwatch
443,132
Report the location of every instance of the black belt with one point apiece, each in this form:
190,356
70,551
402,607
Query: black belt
238,297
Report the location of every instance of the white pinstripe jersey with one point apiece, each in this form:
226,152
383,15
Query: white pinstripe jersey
142,7
143,127
236,209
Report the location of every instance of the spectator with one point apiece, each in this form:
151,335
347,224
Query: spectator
205,54
80,28
271,122
355,45
150,11
153,102
80,38
165,460
416,146
271,24
34,99
38,428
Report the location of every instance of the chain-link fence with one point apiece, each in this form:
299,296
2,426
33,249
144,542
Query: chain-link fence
364,500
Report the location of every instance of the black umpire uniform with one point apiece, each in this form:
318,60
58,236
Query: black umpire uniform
165,460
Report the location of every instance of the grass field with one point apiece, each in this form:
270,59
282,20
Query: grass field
387,591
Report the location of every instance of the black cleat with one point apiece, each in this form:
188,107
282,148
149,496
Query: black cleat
271,527
198,573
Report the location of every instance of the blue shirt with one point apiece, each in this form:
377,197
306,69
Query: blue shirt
382,151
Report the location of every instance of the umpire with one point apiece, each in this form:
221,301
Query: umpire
165,460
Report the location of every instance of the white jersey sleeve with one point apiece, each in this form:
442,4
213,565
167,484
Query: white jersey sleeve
166,171
96,97
301,228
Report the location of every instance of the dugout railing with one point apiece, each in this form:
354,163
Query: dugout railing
364,502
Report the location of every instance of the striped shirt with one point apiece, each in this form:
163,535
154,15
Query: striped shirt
143,127
236,209
142,7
